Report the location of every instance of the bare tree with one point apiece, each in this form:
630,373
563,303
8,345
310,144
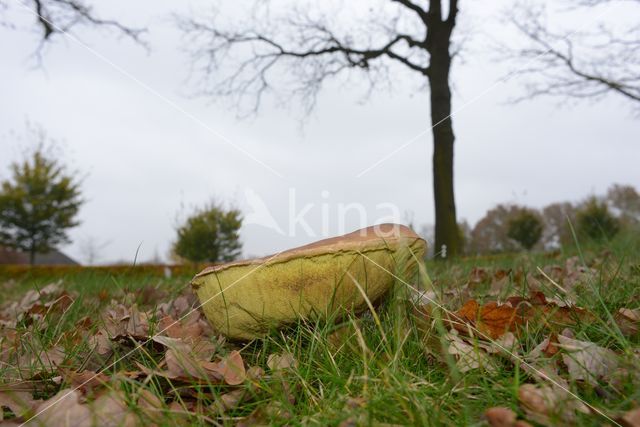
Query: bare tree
575,63
54,17
312,48
625,201
558,217
92,248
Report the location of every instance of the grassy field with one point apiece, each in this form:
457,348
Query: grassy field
78,349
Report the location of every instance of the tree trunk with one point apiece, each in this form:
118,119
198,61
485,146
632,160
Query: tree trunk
447,233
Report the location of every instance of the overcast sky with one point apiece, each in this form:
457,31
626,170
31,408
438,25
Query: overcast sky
151,151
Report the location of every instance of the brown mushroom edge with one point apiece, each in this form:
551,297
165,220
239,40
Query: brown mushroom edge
363,240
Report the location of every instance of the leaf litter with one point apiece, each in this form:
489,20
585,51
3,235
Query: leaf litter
186,370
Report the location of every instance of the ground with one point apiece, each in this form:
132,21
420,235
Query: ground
547,339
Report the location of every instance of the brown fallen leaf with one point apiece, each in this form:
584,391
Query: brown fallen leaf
187,360
505,344
187,328
630,418
111,410
229,401
85,381
150,405
124,323
101,344
58,305
503,417
30,365
183,363
63,410
628,321
478,275
468,357
19,402
491,320
263,414
282,361
586,360
500,281
549,404
231,368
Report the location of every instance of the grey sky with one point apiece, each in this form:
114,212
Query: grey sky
145,159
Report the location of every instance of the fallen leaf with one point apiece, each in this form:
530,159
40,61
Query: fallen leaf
500,417
478,275
285,360
630,418
549,405
491,320
101,344
150,405
188,328
186,360
468,357
586,360
231,368
63,410
85,381
181,362
111,410
19,402
628,321
228,401
506,343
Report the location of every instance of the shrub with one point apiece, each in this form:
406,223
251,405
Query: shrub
595,221
525,227
210,234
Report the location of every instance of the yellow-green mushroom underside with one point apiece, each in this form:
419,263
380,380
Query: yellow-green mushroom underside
245,299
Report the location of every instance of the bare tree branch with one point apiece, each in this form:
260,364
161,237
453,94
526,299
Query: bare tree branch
576,65
60,16
422,14
316,51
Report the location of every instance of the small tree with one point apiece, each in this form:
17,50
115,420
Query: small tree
210,235
38,204
525,228
595,221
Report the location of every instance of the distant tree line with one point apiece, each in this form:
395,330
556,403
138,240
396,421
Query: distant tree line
512,227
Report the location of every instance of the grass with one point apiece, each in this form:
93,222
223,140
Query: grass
373,369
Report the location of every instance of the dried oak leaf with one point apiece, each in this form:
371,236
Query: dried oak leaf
187,328
85,381
491,320
62,410
150,405
229,401
628,321
503,417
19,402
282,361
468,357
187,361
231,368
630,418
111,410
550,405
586,360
